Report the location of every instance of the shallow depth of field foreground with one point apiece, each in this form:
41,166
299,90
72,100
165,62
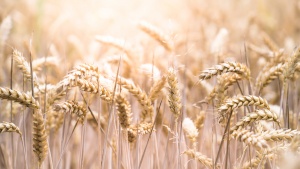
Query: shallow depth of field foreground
154,84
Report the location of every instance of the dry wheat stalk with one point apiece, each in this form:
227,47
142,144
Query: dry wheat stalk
200,157
157,87
72,107
124,110
40,145
225,68
250,138
156,34
20,97
9,127
259,114
224,82
174,97
24,66
141,96
266,77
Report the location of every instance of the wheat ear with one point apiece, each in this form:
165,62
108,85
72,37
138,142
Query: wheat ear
157,87
259,114
24,66
200,157
249,138
156,34
141,96
124,110
225,68
266,77
117,43
19,97
279,135
9,127
40,145
72,107
139,129
233,103
291,64
224,82
174,97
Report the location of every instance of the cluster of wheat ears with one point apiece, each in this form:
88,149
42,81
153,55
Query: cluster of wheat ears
121,113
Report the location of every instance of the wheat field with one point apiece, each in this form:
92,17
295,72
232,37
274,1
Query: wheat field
149,84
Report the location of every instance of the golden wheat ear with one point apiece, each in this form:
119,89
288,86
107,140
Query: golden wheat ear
9,127
19,97
40,144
